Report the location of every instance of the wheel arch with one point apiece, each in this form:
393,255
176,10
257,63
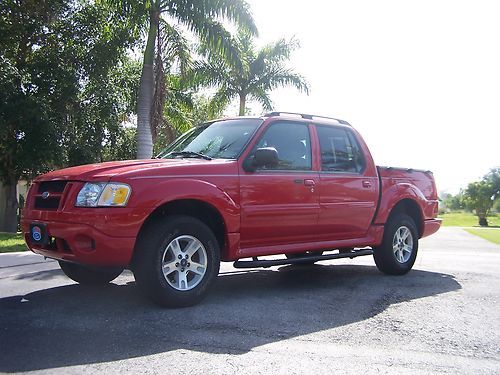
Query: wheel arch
201,210
411,208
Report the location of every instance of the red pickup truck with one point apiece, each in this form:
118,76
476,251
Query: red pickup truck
299,187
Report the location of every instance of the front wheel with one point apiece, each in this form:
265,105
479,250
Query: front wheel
178,259
398,251
89,276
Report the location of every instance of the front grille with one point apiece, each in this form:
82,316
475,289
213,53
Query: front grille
52,186
48,195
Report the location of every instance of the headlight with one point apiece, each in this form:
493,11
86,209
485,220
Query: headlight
101,194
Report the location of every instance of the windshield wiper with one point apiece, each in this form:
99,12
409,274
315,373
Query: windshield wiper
189,154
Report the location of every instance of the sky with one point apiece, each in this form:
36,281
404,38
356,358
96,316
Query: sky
420,80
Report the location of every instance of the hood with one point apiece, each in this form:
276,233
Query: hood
106,171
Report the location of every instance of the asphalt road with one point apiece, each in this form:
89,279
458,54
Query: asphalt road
337,316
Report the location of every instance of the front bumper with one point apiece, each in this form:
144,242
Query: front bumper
81,243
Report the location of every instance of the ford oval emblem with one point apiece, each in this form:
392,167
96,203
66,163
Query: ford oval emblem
45,194
36,233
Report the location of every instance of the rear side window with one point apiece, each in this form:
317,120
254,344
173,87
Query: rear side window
340,152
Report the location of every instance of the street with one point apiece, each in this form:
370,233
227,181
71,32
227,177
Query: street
343,315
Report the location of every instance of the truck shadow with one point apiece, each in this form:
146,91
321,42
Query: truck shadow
75,325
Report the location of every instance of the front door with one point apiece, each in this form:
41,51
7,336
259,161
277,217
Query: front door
280,204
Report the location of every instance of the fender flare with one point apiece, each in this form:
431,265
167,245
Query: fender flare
396,194
165,192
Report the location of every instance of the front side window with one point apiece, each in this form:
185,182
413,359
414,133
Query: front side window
220,139
340,151
293,143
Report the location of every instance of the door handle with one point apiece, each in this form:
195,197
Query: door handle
367,184
309,183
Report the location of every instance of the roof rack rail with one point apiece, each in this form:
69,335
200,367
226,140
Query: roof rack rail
304,116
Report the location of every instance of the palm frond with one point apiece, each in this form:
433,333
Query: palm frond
220,101
289,78
219,40
237,11
206,74
279,50
175,47
263,98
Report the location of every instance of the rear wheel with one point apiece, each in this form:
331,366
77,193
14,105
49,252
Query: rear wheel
89,276
178,260
398,251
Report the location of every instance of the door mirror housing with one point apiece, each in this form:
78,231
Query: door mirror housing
263,157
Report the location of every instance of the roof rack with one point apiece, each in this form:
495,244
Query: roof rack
305,116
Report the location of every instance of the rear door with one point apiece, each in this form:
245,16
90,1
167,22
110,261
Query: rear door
348,186
280,205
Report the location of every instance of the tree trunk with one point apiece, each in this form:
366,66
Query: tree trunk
483,221
243,99
146,90
9,220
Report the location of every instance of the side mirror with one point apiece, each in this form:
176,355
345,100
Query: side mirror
263,157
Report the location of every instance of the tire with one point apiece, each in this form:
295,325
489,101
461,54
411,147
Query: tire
89,276
398,251
305,254
168,280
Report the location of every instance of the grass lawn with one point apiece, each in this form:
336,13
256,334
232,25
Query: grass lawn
466,219
491,234
10,242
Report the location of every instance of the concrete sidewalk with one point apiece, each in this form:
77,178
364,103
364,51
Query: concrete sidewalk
22,258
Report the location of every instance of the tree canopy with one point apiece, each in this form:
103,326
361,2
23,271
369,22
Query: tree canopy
254,76
204,18
482,195
62,87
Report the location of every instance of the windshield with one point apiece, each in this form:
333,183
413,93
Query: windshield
220,139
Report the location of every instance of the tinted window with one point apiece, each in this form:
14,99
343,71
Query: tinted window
220,139
340,151
292,142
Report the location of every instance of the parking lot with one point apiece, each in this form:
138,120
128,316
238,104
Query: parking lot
344,315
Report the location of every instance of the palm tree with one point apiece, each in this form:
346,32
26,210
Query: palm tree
201,17
256,74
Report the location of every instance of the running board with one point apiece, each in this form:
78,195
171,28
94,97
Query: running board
307,259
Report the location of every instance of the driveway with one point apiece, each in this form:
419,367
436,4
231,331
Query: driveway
345,316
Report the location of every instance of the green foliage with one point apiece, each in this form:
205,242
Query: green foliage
183,110
57,84
481,195
496,206
123,146
254,75
60,100
105,106
489,234
466,219
452,202
11,242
